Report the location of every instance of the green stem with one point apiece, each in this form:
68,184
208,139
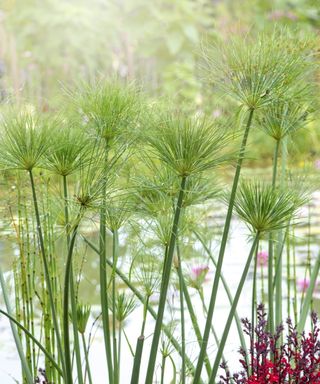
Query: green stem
72,290
254,303
182,320
47,274
141,298
137,361
103,281
113,282
163,366
288,277
164,285
35,341
279,273
66,305
139,346
308,298
205,310
270,250
229,295
214,292
119,352
194,322
86,355
25,367
232,310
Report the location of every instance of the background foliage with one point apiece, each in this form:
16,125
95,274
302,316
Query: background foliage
49,44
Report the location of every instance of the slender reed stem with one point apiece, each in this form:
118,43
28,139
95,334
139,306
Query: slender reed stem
165,285
103,279
119,350
35,341
163,366
141,298
229,295
194,322
47,274
86,355
254,302
139,346
25,366
270,250
66,305
232,310
284,144
137,361
214,292
308,298
116,358
72,290
288,277
182,320
295,294
205,309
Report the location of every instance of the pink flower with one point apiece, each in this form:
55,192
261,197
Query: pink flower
262,258
303,284
198,275
199,270
317,164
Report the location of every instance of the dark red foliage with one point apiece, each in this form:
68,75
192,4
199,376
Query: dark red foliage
269,361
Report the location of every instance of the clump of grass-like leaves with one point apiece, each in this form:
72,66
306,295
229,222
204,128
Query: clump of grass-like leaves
255,71
282,118
25,140
189,145
108,107
264,208
70,149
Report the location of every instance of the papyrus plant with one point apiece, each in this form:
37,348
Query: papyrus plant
253,72
26,137
264,209
109,111
281,120
188,146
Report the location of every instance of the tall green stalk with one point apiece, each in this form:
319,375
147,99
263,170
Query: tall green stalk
139,346
228,292
281,238
163,366
165,285
47,274
141,298
66,306
194,322
254,301
205,309
116,358
86,355
137,361
288,251
72,290
233,309
182,319
308,298
34,340
103,279
270,249
25,366
214,292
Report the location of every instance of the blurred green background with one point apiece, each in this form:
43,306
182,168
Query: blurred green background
46,45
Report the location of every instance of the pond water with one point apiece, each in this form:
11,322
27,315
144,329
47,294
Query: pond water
237,251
